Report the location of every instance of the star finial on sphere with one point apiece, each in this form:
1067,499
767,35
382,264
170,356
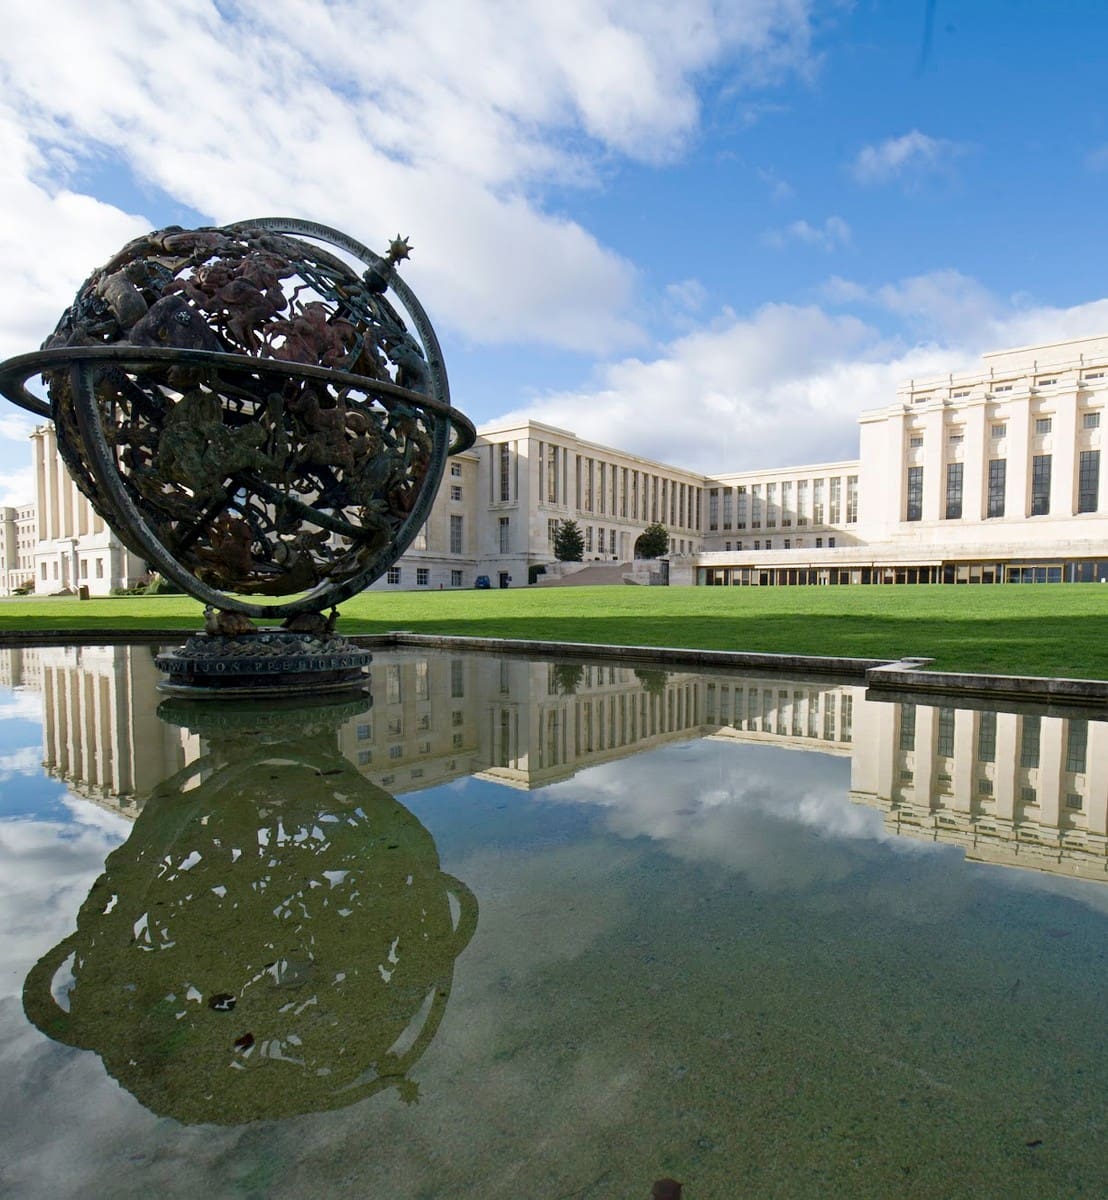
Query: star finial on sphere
399,249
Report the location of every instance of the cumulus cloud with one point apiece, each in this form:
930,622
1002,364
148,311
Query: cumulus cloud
446,119
833,233
908,157
784,385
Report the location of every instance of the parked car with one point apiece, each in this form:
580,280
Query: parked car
482,581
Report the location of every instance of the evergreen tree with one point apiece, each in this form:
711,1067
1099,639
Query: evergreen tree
569,542
653,541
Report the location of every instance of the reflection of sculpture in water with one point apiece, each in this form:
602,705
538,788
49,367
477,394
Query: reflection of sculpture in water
275,937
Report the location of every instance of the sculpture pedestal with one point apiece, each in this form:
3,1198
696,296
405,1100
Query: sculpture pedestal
264,662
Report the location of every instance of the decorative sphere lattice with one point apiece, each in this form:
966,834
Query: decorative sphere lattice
248,412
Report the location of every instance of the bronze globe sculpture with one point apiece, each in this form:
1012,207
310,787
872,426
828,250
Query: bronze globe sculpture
253,417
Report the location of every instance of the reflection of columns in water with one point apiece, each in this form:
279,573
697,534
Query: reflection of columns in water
100,730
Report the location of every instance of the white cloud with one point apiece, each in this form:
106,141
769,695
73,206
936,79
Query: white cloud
18,486
779,188
784,385
833,233
442,119
910,156
688,294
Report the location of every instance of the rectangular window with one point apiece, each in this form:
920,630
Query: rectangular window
851,499
771,505
393,575
986,737
457,680
602,489
419,542
740,507
1090,420
756,506
505,534
1042,425
1029,741
392,694
1077,741
802,502
944,744
915,494
713,508
588,538
817,501
455,492
455,579
787,503
1040,485
84,568
907,727
999,431
551,475
422,576
505,471
455,534
998,478
915,443
953,491
1088,480
600,539
728,505
99,568
422,680
956,439
456,470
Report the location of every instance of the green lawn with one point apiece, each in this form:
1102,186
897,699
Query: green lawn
1024,629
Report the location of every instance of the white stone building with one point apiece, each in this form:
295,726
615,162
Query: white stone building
992,476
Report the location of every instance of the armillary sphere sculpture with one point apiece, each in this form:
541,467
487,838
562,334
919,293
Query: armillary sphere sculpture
253,417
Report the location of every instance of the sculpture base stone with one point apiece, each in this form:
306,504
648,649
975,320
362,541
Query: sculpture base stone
264,662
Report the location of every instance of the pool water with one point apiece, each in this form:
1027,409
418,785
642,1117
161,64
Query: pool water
536,929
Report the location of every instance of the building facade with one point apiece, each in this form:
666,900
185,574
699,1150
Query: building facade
988,477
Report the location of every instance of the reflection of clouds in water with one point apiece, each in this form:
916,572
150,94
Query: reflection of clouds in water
780,817
27,760
21,704
46,870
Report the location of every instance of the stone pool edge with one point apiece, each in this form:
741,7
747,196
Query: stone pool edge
884,677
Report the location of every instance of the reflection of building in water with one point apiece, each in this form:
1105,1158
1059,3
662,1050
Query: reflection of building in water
21,668
101,733
1024,789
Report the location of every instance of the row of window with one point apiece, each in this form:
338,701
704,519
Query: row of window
787,543
606,488
1077,738
1088,487
395,575
1043,426
758,505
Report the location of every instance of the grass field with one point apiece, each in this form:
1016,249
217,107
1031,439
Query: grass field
1024,630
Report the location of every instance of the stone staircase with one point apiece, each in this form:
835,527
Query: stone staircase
591,575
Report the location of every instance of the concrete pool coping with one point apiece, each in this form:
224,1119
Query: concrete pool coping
885,678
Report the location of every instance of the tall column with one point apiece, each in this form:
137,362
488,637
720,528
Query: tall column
1063,468
974,457
1017,498
934,464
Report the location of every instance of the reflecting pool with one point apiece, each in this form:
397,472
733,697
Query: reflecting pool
542,929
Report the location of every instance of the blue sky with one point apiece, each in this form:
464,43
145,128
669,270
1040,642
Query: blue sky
710,233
